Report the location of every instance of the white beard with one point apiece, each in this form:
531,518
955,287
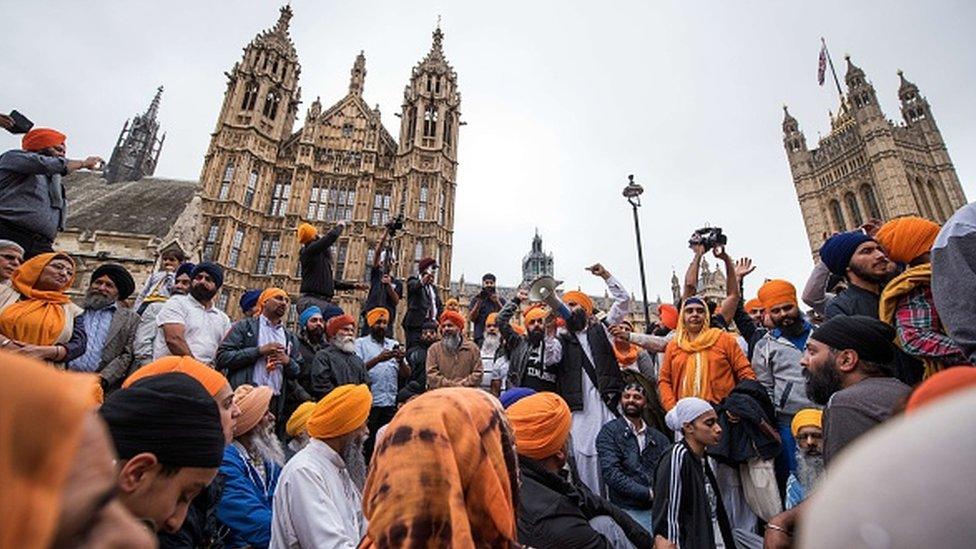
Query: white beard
809,470
346,344
491,344
451,344
268,447
352,455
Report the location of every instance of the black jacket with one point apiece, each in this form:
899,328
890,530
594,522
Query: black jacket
569,380
333,367
554,513
316,261
516,347
418,304
627,471
682,513
417,382
755,434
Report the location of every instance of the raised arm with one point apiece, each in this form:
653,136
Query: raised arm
733,291
691,275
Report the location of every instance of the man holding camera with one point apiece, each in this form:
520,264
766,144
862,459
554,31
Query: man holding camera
384,290
423,302
32,200
484,304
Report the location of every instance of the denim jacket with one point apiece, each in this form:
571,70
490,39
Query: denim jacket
628,472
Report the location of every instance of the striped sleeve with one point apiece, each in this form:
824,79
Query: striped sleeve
667,488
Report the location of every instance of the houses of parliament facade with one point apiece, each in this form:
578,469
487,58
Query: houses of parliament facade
261,178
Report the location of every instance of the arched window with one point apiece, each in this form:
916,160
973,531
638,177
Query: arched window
226,181
854,209
430,121
870,201
924,206
411,125
250,96
252,189
271,105
448,123
936,202
837,216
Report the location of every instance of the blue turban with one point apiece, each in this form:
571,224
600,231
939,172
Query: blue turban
212,269
249,300
514,395
307,314
837,251
331,311
185,269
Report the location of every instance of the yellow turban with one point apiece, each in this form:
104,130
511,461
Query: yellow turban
340,412
906,238
376,314
535,313
268,294
777,292
452,305
306,233
541,424
807,417
492,319
253,402
299,419
580,299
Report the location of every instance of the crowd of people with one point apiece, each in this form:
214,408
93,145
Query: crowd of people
731,423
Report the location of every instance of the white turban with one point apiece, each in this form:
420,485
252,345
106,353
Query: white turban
686,410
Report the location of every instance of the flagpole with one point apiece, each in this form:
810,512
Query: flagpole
832,71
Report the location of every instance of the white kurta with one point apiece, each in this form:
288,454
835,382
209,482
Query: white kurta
316,504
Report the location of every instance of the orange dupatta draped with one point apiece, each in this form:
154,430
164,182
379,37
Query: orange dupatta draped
39,318
445,474
696,372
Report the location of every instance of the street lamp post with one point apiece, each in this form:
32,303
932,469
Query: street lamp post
632,192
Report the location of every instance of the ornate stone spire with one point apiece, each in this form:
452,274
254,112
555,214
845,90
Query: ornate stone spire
358,75
281,27
790,124
154,105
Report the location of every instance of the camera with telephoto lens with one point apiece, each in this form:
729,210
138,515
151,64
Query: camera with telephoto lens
395,224
709,237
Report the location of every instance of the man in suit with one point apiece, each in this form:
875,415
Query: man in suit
423,302
110,327
259,350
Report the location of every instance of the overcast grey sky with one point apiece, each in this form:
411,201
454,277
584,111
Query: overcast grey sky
562,100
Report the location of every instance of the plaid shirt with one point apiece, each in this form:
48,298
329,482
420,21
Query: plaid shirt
921,331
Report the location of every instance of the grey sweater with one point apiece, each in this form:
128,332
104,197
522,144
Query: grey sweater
31,192
954,278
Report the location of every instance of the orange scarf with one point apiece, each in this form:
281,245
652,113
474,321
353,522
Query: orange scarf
696,373
444,475
39,317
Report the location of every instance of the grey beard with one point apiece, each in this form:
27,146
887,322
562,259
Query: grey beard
94,301
268,447
491,343
346,344
451,343
355,460
809,470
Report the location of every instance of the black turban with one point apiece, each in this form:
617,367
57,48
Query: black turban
185,269
871,338
212,269
170,416
120,277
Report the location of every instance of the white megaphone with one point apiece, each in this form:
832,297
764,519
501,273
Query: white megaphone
544,289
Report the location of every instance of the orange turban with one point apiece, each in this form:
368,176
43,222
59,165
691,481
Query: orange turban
39,318
299,419
376,314
941,385
340,412
668,314
906,238
535,313
454,318
807,417
492,319
519,329
42,413
268,294
777,292
541,424
337,323
580,299
39,139
212,380
444,475
253,402
306,233
753,304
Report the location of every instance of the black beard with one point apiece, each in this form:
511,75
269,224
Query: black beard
314,336
576,321
378,334
95,301
632,411
870,277
200,293
823,383
535,336
426,343
791,325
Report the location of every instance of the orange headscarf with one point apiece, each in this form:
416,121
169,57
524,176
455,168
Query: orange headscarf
306,233
906,238
340,412
34,458
776,292
534,313
668,314
941,385
580,299
541,423
39,139
446,466
268,294
752,305
698,365
212,380
39,318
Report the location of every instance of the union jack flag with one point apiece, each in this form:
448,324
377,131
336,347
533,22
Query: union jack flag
822,66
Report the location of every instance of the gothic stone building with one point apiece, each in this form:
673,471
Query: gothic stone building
871,167
137,150
261,178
